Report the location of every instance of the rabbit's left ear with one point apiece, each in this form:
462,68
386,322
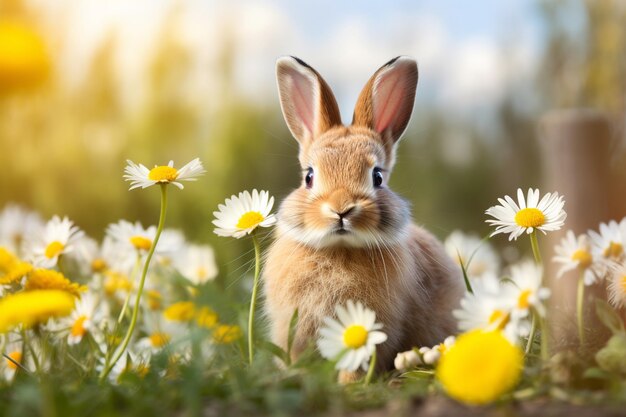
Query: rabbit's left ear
308,104
386,102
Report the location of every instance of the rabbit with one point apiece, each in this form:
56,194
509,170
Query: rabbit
343,234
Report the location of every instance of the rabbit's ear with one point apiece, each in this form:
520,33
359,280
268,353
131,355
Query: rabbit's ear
308,104
386,102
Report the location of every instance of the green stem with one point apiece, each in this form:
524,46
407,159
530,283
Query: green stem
580,297
257,268
133,320
531,336
545,352
127,299
370,371
535,245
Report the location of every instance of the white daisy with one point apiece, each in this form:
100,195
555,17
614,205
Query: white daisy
160,334
140,176
90,316
489,307
132,237
97,258
617,286
57,238
528,214
171,243
17,224
526,278
575,253
197,263
353,338
241,215
13,347
477,256
608,245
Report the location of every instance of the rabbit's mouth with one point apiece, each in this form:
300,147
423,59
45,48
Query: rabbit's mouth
341,231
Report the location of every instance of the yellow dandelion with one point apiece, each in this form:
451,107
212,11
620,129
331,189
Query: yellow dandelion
181,311
480,367
225,333
11,268
46,279
33,307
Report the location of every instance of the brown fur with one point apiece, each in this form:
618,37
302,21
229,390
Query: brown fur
392,266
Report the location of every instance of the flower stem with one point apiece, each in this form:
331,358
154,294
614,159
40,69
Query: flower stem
535,245
255,285
545,352
133,320
531,336
580,296
127,299
370,371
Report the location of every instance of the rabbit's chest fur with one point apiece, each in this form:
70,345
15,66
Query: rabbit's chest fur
390,281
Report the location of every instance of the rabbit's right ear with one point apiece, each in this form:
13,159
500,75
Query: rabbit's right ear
308,104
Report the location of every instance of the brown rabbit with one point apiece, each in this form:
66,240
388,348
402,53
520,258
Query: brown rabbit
343,234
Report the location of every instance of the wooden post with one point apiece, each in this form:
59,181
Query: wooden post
575,148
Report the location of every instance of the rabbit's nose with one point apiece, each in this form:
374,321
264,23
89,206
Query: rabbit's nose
345,212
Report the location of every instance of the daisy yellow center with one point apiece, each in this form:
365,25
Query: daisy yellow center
154,299
16,356
500,318
355,336
530,217
141,243
98,265
583,258
163,174
614,250
159,339
54,249
78,328
201,272
250,219
523,299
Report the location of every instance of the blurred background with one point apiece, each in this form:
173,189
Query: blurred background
86,84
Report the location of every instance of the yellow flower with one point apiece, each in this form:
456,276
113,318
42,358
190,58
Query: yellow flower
480,367
32,307
205,317
181,311
24,61
11,268
46,279
225,333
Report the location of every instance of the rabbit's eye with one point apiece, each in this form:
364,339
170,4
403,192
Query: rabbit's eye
309,178
377,177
